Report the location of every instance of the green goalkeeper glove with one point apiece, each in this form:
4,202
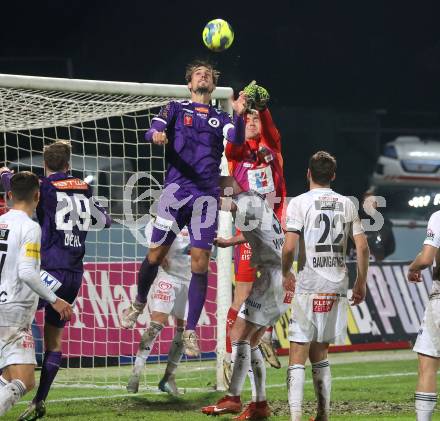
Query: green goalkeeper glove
257,96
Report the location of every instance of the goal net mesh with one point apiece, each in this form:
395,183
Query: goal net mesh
106,131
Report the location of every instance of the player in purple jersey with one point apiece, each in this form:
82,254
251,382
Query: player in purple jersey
66,212
193,132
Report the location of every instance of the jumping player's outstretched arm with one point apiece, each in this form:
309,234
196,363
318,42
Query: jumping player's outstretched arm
269,131
229,242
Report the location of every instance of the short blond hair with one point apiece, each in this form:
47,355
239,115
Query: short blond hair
191,67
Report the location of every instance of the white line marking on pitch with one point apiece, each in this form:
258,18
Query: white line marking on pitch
197,389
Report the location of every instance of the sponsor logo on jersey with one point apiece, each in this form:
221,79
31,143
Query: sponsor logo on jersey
202,110
187,120
430,234
70,184
214,122
164,285
32,250
3,226
322,305
288,297
4,234
28,341
49,281
162,297
202,115
329,203
261,179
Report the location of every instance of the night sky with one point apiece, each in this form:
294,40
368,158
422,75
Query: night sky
343,56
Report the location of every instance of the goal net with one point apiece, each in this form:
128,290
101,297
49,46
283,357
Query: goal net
106,123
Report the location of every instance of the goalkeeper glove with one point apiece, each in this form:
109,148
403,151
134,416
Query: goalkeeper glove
257,96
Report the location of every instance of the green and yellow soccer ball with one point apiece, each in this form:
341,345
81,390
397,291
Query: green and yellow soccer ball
218,35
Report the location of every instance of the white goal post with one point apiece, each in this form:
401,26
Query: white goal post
105,121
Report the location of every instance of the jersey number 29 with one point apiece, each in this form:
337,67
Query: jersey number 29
77,210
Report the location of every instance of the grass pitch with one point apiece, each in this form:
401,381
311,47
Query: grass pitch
366,386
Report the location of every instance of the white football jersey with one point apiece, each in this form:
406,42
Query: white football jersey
324,219
261,228
433,239
178,257
20,240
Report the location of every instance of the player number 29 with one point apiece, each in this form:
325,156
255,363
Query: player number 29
72,210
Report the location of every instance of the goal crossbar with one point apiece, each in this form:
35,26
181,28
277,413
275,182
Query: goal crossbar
103,87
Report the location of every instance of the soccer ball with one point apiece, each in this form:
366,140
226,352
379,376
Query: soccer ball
218,35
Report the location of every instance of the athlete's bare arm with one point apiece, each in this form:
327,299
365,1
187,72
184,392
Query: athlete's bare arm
288,253
423,260
229,242
363,256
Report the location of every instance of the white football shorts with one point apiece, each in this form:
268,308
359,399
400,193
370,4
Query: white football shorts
428,339
318,317
267,300
169,295
17,346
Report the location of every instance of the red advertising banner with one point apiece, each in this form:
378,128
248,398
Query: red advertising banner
107,290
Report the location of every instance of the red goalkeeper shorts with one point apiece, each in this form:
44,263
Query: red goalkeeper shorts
242,259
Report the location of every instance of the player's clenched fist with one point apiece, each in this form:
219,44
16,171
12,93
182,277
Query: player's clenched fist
63,308
160,138
359,292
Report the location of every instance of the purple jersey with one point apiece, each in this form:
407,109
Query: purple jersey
66,212
195,142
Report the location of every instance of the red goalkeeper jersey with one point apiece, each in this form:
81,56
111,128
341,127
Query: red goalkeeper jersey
258,164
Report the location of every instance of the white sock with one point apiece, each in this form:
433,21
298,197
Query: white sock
242,364
145,346
10,395
251,377
259,371
267,336
322,382
3,381
425,404
175,353
295,388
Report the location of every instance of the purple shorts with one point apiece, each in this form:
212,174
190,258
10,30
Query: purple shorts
68,291
180,207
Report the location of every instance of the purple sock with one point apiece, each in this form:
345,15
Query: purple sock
49,370
196,298
146,276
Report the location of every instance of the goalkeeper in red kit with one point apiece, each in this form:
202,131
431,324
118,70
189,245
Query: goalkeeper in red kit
257,165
